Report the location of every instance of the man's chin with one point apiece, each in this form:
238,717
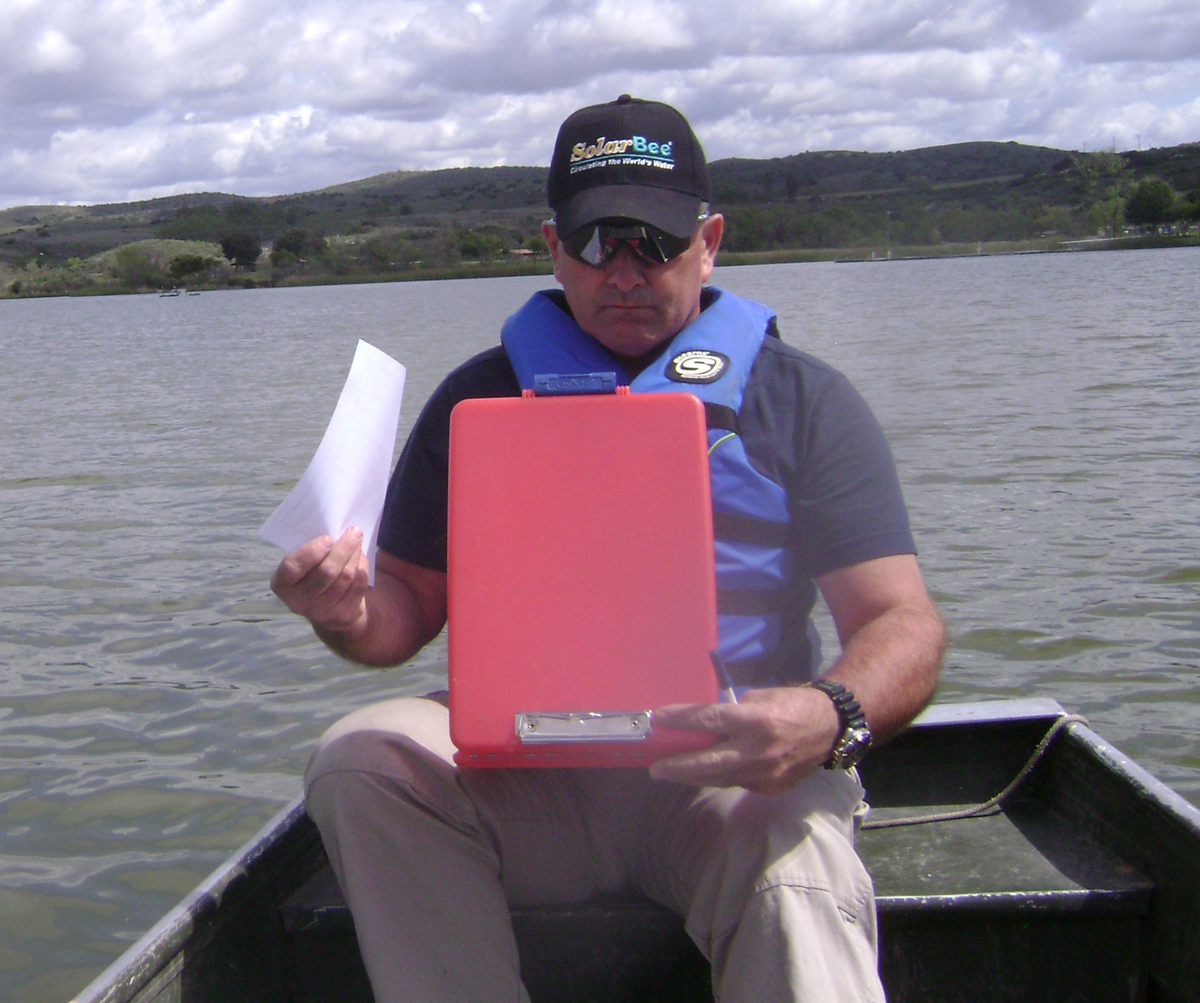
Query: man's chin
632,344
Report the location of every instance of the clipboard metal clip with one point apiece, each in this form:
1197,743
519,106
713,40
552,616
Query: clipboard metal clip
583,726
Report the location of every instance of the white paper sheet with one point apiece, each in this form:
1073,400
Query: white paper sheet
345,483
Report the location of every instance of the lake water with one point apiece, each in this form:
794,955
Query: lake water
158,704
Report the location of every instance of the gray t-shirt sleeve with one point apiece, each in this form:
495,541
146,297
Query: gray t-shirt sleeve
807,428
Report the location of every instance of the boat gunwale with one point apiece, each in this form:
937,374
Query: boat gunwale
152,954
1078,901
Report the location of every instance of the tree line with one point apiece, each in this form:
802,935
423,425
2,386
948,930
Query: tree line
1106,200
423,223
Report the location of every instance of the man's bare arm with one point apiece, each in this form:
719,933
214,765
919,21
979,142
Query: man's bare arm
892,639
326,581
892,642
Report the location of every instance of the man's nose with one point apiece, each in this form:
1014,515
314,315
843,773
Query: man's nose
625,270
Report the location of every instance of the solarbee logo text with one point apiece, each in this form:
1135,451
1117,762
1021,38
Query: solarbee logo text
604,147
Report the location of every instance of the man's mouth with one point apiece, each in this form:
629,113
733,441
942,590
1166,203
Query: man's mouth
626,305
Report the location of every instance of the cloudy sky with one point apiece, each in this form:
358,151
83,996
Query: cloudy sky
110,100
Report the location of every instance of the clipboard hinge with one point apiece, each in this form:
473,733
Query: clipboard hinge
562,384
533,727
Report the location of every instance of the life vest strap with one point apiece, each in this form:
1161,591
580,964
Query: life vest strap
720,416
741,528
749,602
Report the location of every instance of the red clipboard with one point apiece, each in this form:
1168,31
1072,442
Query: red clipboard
582,591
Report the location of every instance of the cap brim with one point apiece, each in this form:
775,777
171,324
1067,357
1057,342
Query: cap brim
675,212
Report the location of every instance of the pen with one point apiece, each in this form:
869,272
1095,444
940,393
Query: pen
723,679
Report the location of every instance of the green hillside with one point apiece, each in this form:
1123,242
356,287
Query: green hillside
422,223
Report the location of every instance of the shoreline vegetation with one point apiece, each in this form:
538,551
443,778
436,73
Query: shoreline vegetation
90,278
963,200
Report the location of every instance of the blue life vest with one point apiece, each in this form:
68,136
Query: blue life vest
710,358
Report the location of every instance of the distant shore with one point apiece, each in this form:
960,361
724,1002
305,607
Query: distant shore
48,282
960,250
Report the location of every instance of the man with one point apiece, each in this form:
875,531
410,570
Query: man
750,840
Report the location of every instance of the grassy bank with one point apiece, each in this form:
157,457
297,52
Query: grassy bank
466,270
155,265
914,251
149,266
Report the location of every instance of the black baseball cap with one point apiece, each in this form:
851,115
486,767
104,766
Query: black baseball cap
629,159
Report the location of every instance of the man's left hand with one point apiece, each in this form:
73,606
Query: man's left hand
767,743
892,640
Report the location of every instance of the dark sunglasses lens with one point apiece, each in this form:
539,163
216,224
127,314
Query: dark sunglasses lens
597,245
667,245
585,245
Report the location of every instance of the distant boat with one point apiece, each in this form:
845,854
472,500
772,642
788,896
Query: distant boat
1084,885
172,292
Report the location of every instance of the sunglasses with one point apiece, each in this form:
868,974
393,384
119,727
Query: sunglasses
598,244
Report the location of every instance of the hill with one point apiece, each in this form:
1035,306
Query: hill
408,198
410,220
846,172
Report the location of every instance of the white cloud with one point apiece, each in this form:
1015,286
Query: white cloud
1156,31
112,99
54,52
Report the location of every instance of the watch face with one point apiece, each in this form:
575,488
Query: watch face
852,747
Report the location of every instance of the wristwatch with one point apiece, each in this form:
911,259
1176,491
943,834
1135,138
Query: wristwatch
855,738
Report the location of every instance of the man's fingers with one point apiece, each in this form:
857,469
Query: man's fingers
696,767
760,746
314,579
724,765
348,546
330,580
300,562
337,570
712,717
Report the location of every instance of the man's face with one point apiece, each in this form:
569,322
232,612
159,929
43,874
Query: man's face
632,307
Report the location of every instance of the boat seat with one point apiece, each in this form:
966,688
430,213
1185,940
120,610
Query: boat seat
619,950
966,908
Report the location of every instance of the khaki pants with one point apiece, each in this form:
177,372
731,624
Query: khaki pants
430,857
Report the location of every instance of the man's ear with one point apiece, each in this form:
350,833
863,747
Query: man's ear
711,231
550,236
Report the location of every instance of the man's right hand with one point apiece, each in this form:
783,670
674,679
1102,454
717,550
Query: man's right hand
326,582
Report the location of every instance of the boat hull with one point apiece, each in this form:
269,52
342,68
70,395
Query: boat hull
1086,886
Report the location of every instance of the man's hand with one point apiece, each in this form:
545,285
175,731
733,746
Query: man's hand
892,640
325,581
768,742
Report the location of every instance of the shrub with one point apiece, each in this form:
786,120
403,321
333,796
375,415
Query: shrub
388,252
242,248
189,264
480,245
1151,204
297,246
135,268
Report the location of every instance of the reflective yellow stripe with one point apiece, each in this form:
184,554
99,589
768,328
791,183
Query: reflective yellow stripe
728,435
